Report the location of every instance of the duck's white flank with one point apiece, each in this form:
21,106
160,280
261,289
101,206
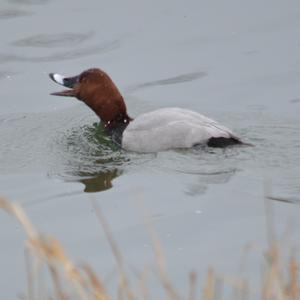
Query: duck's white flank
169,128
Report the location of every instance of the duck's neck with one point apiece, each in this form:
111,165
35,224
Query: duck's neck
115,128
121,121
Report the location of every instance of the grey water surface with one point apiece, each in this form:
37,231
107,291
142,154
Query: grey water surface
237,62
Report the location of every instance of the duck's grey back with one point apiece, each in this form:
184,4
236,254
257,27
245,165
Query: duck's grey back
171,128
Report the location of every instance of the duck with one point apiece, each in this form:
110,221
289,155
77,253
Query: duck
159,130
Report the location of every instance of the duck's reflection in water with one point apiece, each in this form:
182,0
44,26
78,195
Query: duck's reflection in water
100,181
93,183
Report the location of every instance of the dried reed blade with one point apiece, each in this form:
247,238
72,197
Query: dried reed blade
209,287
60,295
272,288
30,281
293,289
16,211
124,283
98,290
161,265
47,249
159,257
143,284
192,286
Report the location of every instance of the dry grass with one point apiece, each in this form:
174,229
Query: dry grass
69,281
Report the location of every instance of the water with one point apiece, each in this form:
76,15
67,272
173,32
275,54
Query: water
237,63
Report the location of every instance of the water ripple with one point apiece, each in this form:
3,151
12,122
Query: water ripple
30,2
53,40
167,81
65,55
13,13
6,74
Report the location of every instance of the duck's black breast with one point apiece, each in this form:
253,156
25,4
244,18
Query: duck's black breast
116,132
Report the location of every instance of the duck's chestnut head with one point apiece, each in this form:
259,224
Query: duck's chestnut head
96,89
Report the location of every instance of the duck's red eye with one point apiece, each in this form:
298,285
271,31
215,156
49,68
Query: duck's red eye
82,79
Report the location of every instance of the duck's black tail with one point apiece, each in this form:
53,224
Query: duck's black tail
221,142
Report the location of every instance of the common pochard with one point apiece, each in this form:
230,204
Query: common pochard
158,130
